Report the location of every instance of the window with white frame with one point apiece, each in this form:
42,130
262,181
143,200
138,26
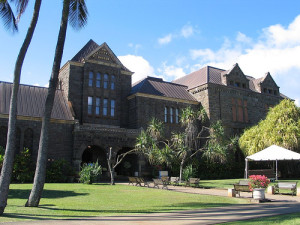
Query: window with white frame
105,102
90,105
97,109
171,115
91,78
98,80
166,114
176,115
112,82
105,81
112,107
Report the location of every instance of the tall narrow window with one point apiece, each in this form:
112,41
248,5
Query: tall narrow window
98,80
112,107
90,105
97,109
105,107
105,83
233,110
245,111
91,77
112,82
176,115
240,111
171,115
166,114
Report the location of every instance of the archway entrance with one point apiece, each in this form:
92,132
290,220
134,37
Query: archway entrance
129,165
93,153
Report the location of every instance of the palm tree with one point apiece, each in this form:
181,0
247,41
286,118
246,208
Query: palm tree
11,22
75,12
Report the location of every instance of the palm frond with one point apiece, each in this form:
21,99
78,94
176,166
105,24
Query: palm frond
78,14
21,7
8,16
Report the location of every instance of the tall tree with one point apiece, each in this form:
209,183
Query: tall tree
281,127
10,21
75,12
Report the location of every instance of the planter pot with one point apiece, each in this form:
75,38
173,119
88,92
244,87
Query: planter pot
259,193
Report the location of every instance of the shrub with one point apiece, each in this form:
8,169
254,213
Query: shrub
258,181
23,169
188,172
58,171
89,172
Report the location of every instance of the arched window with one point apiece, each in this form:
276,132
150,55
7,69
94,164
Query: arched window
171,115
28,139
176,115
112,107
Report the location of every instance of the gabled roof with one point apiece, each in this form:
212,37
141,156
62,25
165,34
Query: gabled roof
158,87
205,75
31,102
90,51
214,75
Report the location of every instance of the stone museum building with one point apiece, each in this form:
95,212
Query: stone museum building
97,107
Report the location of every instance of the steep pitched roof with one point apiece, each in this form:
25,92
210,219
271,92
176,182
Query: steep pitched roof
92,51
31,102
158,87
85,51
210,74
205,75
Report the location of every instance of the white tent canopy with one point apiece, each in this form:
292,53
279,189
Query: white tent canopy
272,153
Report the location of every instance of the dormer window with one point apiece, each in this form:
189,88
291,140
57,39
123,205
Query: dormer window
237,84
231,83
275,92
265,90
244,86
269,91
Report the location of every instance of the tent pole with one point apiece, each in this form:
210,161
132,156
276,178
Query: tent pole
276,171
246,169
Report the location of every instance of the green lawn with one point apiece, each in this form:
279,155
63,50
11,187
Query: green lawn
287,219
64,201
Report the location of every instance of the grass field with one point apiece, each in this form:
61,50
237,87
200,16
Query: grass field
64,201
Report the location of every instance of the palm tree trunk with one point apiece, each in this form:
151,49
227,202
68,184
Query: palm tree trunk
40,172
11,134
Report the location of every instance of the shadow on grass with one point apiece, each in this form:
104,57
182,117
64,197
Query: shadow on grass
111,212
24,193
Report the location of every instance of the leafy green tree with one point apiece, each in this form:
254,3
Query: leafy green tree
11,22
281,127
74,12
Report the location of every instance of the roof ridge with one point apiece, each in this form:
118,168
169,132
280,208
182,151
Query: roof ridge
29,85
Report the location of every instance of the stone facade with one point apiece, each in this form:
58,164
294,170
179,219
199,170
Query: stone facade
108,112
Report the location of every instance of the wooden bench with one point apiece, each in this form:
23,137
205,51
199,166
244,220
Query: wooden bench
292,186
174,181
242,186
133,181
141,180
194,181
158,182
269,173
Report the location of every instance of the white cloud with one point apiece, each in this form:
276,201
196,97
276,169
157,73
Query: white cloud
136,47
297,102
165,40
137,64
187,31
36,84
46,85
171,72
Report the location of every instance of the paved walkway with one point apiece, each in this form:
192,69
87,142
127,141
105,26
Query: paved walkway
280,204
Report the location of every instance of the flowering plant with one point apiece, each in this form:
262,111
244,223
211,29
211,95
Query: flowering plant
258,181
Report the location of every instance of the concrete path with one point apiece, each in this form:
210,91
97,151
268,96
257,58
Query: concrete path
280,204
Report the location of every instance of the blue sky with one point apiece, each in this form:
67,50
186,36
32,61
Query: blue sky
170,38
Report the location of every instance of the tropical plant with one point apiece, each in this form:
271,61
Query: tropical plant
258,181
75,12
89,172
23,167
58,171
188,172
281,127
11,21
2,150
